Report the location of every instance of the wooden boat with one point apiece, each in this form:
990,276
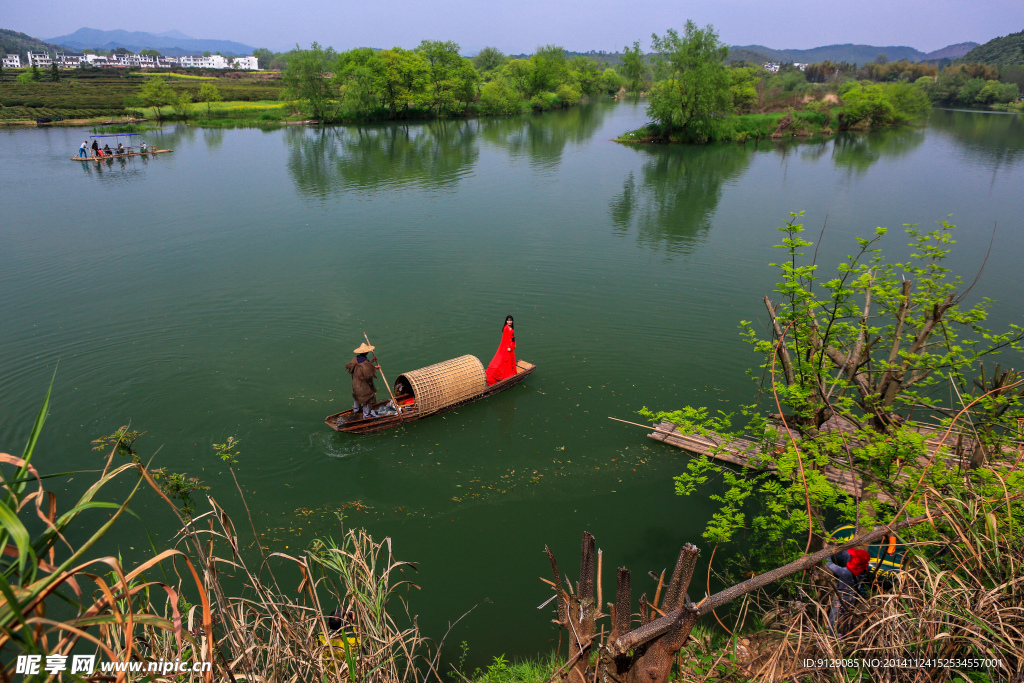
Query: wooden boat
111,157
45,121
428,391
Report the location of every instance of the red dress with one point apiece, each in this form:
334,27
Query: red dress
503,365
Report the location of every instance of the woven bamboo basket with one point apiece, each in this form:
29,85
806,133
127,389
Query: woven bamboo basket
445,384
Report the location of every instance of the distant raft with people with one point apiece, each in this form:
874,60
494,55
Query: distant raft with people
122,153
429,391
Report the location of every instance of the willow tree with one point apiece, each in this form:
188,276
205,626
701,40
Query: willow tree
696,90
308,78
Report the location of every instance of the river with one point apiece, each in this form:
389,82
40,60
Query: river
219,290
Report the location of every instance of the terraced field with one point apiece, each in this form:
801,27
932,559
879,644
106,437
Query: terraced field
87,96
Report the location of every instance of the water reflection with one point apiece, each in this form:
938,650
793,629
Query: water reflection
995,138
673,200
115,169
214,138
542,138
432,155
857,152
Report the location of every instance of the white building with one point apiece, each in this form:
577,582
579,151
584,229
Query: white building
69,60
12,62
39,59
249,63
211,62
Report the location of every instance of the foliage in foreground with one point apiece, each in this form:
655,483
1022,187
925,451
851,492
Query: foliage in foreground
244,624
848,359
955,613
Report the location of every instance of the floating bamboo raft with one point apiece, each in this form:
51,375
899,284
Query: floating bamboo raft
748,453
112,156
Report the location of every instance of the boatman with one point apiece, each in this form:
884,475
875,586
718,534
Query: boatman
362,371
83,151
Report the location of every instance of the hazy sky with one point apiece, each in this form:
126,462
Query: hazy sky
516,26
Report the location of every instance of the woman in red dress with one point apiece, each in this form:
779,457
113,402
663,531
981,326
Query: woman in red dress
503,365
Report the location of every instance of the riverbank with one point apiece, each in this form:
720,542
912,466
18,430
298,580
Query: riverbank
242,100
776,125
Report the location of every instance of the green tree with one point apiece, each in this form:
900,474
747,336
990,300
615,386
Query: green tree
519,73
208,93
263,57
404,76
54,73
36,76
549,69
182,104
207,53
446,73
306,78
585,75
488,59
151,53
25,78
611,82
696,91
359,75
500,97
743,82
634,68
156,93
467,80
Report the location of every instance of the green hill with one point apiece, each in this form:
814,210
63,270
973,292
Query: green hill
1006,50
854,54
12,42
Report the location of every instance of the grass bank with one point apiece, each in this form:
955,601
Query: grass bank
740,128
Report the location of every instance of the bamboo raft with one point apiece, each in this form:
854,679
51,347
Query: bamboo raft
429,391
111,157
748,453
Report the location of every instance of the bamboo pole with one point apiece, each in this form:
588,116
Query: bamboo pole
376,361
648,427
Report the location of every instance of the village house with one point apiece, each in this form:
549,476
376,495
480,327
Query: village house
249,63
148,62
68,60
12,62
39,59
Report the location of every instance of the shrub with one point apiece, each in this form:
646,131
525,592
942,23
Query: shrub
499,97
567,95
544,101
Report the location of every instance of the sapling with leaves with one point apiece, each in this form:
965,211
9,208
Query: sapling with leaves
228,451
847,362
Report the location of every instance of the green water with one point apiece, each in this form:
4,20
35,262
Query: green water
218,290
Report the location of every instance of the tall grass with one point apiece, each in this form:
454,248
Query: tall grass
244,622
955,613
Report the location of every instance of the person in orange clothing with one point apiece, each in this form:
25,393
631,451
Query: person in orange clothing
503,365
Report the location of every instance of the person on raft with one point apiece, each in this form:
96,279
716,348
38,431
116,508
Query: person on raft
362,370
503,365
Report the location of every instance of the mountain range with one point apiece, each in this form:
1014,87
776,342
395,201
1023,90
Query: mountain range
856,54
176,43
169,43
